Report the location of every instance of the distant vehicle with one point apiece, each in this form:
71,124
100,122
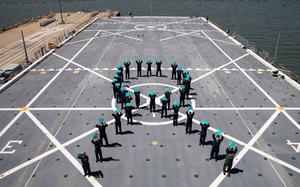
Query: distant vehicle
9,72
4,76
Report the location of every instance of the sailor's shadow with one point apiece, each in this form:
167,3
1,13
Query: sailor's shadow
136,123
236,171
109,159
209,143
221,157
194,131
137,115
97,174
116,144
170,116
181,124
126,132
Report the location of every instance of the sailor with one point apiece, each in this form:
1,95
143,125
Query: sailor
85,163
127,70
139,67
128,97
186,76
231,150
128,112
97,144
186,84
217,139
204,126
119,73
179,75
189,114
120,67
137,94
164,102
123,96
149,63
158,67
118,92
189,80
102,129
168,96
152,96
117,115
174,68
114,88
116,76
175,113
182,95
184,73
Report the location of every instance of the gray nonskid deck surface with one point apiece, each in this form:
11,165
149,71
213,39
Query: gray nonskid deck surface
49,115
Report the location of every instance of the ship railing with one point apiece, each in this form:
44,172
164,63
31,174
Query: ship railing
259,51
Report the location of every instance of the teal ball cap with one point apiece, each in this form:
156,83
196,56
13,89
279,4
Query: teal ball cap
127,94
168,90
204,122
95,136
232,144
190,108
117,110
101,120
151,93
176,103
136,90
219,132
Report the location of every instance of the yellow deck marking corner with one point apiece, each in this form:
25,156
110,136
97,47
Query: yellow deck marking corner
24,109
280,108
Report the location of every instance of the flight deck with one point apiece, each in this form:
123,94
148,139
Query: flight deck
48,116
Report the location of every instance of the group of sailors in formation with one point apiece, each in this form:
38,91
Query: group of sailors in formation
123,97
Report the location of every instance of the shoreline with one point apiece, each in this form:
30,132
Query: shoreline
38,38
